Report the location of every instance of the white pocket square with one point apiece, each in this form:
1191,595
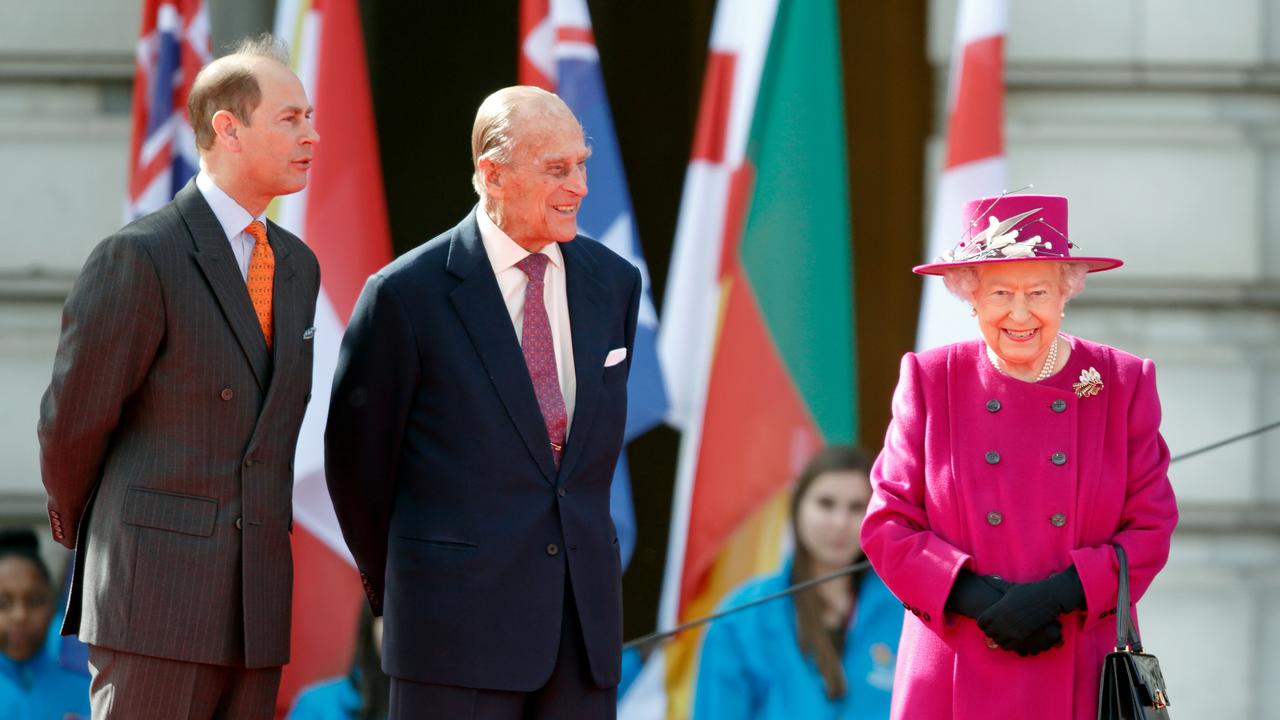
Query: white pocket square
615,356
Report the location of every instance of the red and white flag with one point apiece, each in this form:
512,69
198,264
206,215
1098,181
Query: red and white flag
342,217
172,47
974,165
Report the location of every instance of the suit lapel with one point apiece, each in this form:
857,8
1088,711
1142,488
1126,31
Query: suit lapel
478,302
588,301
217,262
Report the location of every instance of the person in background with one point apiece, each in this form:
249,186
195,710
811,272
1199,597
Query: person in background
33,686
825,652
1012,466
360,695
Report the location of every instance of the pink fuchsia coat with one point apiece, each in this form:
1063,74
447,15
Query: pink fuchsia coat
1022,488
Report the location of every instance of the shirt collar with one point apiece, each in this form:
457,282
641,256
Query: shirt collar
233,218
503,252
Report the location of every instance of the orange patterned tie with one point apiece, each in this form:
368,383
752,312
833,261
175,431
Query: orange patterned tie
262,273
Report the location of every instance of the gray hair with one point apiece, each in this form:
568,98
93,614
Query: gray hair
963,281
495,131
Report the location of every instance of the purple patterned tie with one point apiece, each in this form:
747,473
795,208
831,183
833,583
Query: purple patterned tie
540,353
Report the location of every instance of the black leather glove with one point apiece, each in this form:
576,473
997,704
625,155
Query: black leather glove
1027,608
972,594
1046,638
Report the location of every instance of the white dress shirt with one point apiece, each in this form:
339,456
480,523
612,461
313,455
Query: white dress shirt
233,219
503,254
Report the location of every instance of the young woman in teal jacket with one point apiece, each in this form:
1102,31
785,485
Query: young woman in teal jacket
826,653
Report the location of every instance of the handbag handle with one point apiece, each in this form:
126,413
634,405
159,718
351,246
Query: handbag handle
1126,634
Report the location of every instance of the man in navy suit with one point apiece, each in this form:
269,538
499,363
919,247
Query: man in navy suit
477,416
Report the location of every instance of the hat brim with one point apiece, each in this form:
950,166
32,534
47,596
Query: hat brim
1095,264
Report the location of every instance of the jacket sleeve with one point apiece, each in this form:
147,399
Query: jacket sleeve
633,313
914,562
112,324
1149,515
373,388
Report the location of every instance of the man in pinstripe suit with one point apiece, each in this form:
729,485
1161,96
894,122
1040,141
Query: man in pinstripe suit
168,432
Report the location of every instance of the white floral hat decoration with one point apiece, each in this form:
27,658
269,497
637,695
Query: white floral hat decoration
1013,228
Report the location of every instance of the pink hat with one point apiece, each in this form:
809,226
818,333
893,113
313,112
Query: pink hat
1010,228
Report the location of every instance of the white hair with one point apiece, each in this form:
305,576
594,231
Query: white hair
496,128
963,281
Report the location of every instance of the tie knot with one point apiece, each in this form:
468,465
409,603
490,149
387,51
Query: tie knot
534,265
257,230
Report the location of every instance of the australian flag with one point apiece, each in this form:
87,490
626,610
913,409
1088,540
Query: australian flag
172,47
558,53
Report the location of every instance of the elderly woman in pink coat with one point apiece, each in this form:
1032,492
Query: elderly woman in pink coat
1013,464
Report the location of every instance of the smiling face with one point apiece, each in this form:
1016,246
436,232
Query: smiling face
535,197
829,518
1019,306
26,608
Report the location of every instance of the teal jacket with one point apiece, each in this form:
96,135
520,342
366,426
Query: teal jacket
752,667
41,689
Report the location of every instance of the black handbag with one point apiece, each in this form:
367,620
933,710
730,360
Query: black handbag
1132,686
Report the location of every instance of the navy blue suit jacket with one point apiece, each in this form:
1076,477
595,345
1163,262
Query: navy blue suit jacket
441,470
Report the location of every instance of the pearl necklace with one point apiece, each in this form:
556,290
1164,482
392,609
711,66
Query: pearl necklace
1050,360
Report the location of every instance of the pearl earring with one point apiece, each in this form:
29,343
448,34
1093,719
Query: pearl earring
1064,313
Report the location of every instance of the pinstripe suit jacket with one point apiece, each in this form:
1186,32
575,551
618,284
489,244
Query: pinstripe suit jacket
167,438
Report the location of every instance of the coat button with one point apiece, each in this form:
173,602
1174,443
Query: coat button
993,405
994,518
1058,405
226,394
562,492
553,549
993,457
1058,458
1058,519
239,524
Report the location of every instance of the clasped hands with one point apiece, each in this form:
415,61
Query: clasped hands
1021,617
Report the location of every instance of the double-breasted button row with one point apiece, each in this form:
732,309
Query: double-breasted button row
56,521
922,614
995,517
1058,406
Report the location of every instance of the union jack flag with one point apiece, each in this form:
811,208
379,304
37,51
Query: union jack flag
173,46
